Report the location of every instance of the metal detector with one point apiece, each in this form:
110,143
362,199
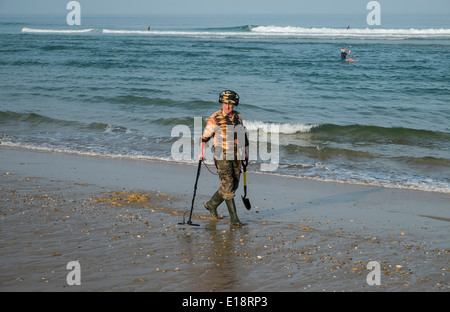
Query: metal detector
193,198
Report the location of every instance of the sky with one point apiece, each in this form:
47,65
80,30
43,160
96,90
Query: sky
224,6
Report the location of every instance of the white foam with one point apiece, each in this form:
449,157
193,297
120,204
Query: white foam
56,31
356,32
62,150
113,31
290,31
272,31
283,128
171,33
324,174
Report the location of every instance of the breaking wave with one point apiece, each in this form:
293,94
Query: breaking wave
254,31
56,31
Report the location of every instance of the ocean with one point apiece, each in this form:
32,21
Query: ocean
111,88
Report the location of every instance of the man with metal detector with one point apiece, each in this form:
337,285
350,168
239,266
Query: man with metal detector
230,143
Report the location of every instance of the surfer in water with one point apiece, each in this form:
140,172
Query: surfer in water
344,55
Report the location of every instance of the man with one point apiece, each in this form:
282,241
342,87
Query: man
230,141
344,55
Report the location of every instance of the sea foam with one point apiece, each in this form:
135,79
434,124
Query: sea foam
56,31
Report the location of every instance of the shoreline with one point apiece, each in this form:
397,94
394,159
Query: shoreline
154,159
300,235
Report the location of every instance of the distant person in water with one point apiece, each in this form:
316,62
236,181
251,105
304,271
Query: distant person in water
344,55
148,28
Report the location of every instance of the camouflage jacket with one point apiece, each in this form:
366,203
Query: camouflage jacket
229,134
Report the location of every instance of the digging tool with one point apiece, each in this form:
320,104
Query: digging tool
244,198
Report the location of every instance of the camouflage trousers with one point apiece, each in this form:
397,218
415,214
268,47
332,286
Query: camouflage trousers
229,173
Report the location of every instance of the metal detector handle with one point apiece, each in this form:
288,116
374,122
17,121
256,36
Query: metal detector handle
198,174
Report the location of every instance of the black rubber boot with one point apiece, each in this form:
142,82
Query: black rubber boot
234,220
213,203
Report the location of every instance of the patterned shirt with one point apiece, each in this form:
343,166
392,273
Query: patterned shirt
228,132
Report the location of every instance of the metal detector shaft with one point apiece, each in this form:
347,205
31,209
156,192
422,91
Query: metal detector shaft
195,191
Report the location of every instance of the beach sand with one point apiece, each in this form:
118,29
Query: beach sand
119,219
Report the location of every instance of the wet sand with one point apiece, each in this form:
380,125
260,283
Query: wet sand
119,220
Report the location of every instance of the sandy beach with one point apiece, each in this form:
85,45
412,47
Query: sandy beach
119,219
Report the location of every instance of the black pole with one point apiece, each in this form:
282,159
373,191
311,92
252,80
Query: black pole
193,198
